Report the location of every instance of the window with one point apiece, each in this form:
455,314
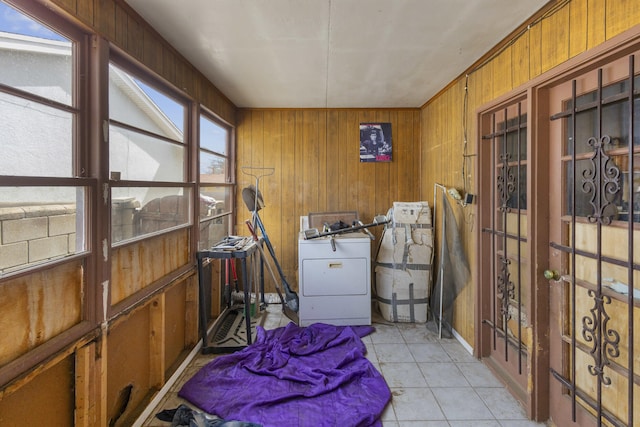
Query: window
148,156
216,181
43,199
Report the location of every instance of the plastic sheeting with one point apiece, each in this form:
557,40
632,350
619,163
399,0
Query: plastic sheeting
452,274
295,376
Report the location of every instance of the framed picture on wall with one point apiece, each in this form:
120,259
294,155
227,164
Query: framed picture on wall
375,142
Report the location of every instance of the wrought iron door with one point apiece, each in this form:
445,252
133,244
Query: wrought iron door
505,296
594,235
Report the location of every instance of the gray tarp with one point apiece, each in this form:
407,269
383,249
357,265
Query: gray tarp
452,273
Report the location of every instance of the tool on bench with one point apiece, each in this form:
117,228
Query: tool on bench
313,233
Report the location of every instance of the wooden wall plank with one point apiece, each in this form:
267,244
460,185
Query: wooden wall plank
169,69
310,154
257,145
323,192
45,400
535,52
288,195
105,18
157,341
339,167
84,366
86,414
152,52
503,73
486,89
352,156
121,22
596,18
191,335
402,140
299,169
415,152
36,308
333,162
272,186
242,150
366,174
577,28
620,15
135,38
128,366
555,39
138,265
84,11
520,60
382,176
69,5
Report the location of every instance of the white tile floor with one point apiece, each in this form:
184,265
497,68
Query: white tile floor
434,383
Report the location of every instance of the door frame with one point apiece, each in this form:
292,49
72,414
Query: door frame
537,402
534,401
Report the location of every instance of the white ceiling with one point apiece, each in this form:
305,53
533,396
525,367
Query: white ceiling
333,53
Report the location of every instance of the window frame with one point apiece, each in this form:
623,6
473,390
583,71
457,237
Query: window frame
230,183
80,55
126,63
82,176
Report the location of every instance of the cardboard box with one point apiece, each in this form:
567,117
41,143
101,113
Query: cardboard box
411,213
403,265
402,295
401,251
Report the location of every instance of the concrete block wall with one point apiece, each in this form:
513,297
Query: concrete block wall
32,234
123,212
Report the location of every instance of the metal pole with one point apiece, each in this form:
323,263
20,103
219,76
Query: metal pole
440,272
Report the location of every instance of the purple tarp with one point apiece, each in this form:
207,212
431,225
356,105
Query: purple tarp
294,376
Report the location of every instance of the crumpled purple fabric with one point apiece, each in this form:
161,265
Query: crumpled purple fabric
295,376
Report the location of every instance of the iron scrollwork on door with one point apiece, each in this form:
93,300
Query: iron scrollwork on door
602,181
506,187
604,341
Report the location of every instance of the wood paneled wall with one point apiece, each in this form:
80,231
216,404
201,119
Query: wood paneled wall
568,28
316,157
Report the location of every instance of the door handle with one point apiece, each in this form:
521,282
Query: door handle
551,275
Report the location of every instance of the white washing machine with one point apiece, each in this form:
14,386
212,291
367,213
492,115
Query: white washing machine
335,286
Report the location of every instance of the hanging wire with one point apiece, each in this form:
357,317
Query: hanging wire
552,10
465,105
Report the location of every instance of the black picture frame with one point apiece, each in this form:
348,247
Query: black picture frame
376,143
